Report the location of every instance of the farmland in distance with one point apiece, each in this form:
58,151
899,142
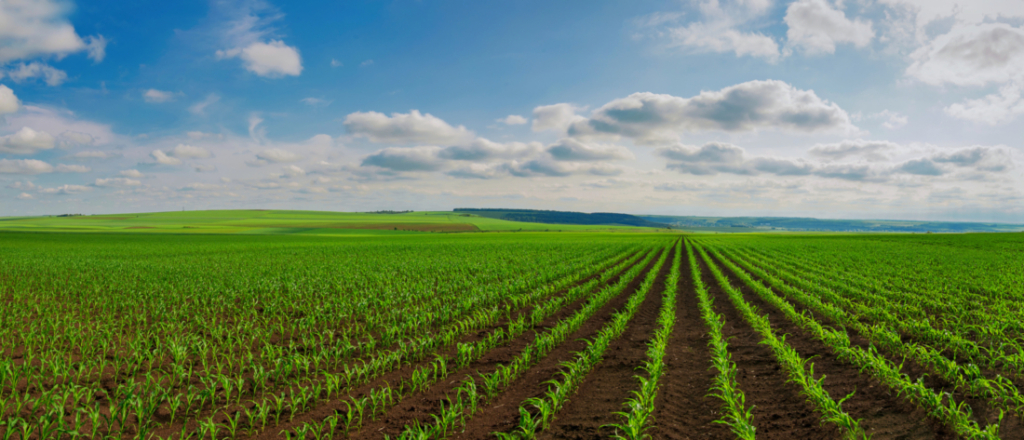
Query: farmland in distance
144,334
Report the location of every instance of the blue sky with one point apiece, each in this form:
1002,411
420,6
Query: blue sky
905,109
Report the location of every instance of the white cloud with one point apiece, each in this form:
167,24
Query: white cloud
199,108
411,127
650,117
993,109
277,155
97,48
512,120
25,196
85,155
366,63
163,158
271,60
117,181
72,130
555,116
26,141
971,55
24,72
720,29
39,28
893,120
154,95
24,166
721,37
62,168
8,102
182,151
131,173
335,63
293,171
314,102
482,149
70,139
870,150
816,27
574,150
26,185
405,159
66,189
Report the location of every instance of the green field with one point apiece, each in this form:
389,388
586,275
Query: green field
288,222
248,334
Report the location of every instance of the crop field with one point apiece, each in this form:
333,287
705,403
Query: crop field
511,336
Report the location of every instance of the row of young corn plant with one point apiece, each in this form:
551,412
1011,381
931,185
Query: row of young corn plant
545,409
1000,392
800,370
202,396
997,348
425,376
422,377
991,315
735,413
941,405
474,391
639,414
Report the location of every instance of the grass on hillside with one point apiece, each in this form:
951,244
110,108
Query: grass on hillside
288,222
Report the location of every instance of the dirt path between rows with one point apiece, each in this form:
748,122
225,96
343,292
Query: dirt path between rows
683,409
780,411
882,414
607,386
502,414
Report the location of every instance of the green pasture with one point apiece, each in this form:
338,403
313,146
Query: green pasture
289,222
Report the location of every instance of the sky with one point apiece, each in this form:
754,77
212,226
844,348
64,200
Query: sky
860,109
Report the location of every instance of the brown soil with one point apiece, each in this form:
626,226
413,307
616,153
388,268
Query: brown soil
780,411
882,414
982,410
419,406
502,413
683,408
606,387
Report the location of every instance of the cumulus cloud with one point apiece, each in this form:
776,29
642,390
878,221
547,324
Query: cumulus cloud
96,46
8,102
25,196
182,151
116,182
70,139
982,158
66,189
483,150
574,150
277,155
479,171
405,159
87,155
870,150
164,159
720,29
131,173
555,117
993,109
512,120
652,118
24,72
921,167
273,59
412,127
719,157
62,168
40,28
26,141
816,27
155,96
971,55
24,166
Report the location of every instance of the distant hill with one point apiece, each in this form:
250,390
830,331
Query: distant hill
741,224
563,217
